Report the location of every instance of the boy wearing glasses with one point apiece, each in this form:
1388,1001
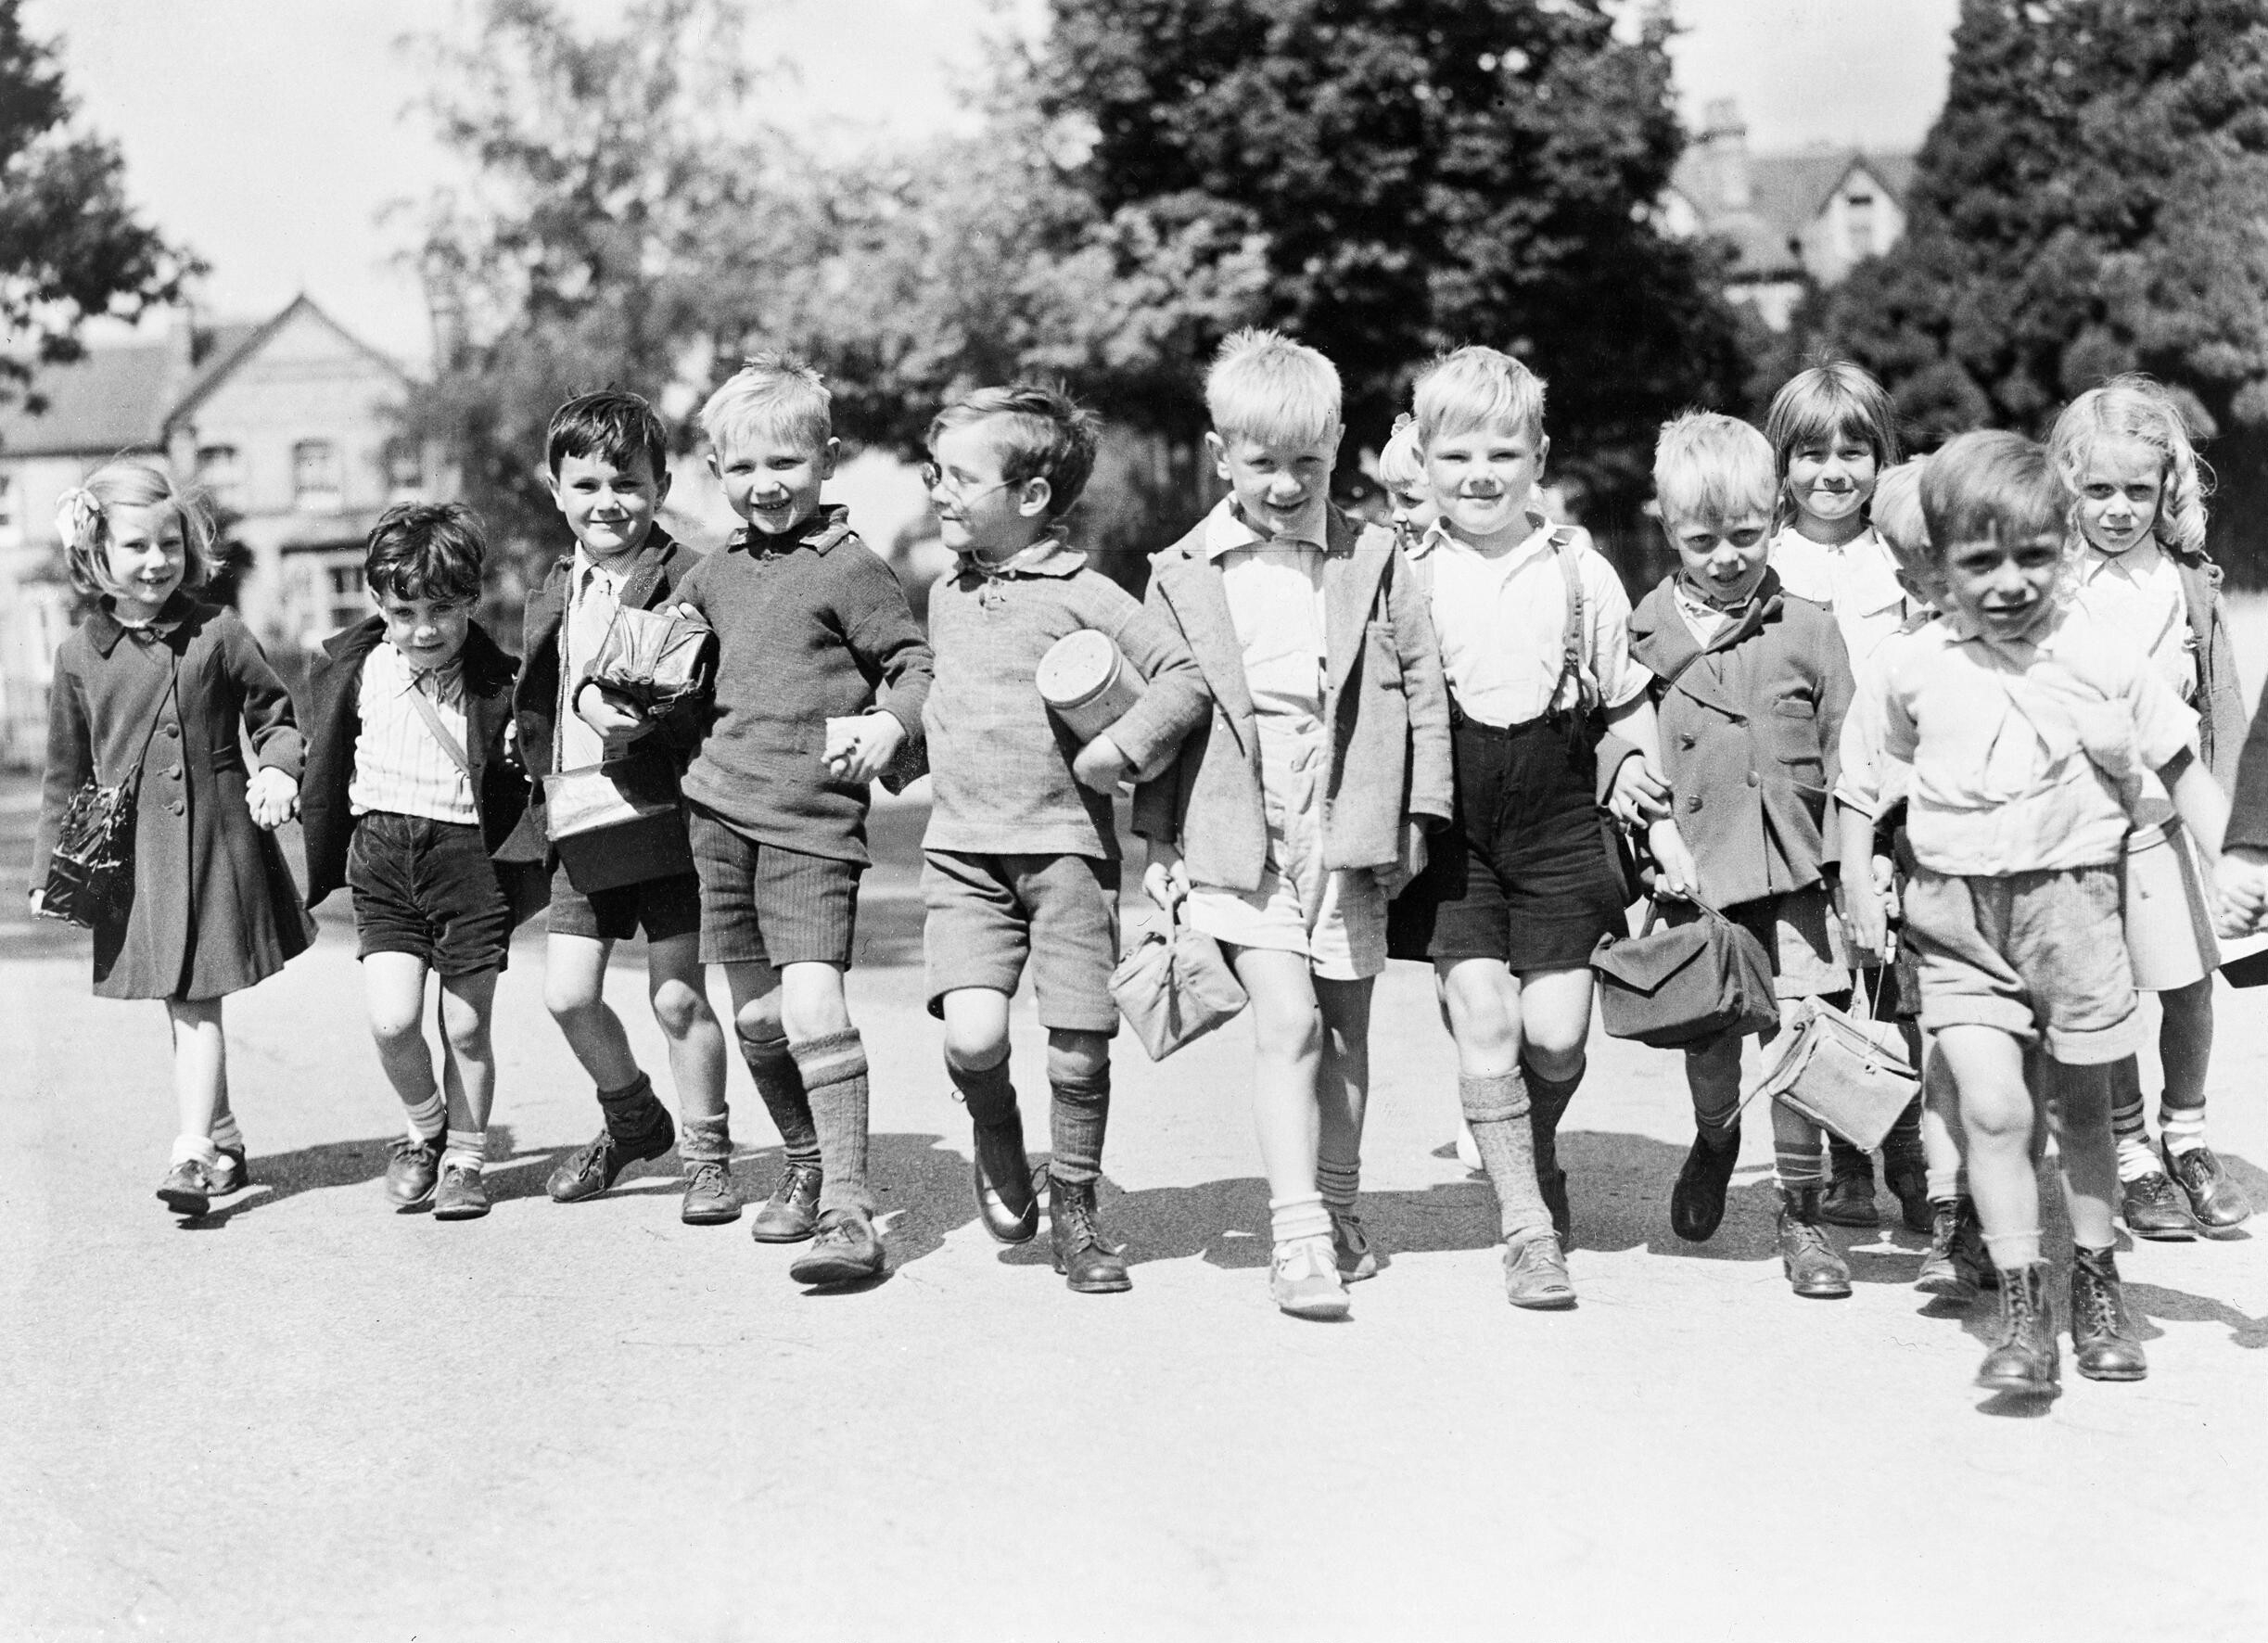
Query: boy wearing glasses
1020,858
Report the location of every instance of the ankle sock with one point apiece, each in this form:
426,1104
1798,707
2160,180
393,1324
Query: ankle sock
200,1148
2184,1127
1305,1216
427,1119
1077,1119
1496,1111
1340,1184
2136,1159
2012,1251
772,1065
705,1140
227,1136
1944,1185
833,1069
988,1092
466,1149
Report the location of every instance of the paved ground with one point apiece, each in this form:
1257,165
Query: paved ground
305,1417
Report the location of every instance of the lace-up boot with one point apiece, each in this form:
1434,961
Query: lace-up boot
2023,1360
1815,1271
1089,1265
2103,1343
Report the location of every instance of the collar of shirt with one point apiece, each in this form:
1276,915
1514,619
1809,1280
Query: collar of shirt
609,576
1226,529
1419,543
1536,545
447,680
829,524
1702,613
2133,565
1051,555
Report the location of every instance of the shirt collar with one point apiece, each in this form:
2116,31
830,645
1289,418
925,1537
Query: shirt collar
1226,529
1536,543
2134,564
105,629
829,524
1051,555
447,678
613,574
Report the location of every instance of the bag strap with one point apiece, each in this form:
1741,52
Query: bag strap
132,781
566,622
450,744
1572,639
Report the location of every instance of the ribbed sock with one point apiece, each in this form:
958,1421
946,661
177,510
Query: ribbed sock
2012,1251
227,1136
1797,1161
1340,1184
427,1119
1298,1217
1843,1159
1496,1110
2184,1127
629,1111
2136,1159
200,1148
467,1149
705,1141
1901,1147
833,1068
988,1092
1077,1119
772,1065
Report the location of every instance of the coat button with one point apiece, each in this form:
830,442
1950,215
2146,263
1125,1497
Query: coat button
1752,778
177,807
1685,739
173,771
1694,803
171,729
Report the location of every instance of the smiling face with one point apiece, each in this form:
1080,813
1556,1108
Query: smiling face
609,509
1482,479
149,556
1281,487
774,479
1722,559
979,510
429,633
1830,478
2119,492
2006,588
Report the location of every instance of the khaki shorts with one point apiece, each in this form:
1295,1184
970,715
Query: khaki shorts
2040,956
988,915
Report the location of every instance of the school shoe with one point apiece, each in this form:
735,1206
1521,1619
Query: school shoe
791,1213
1089,1263
188,1187
2103,1343
595,1168
1957,1267
2023,1360
1849,1200
2215,1199
413,1170
1909,1184
1350,1246
462,1196
1303,1280
1815,1271
1000,1175
845,1249
710,1198
231,1174
2152,1207
1696,1201
1535,1274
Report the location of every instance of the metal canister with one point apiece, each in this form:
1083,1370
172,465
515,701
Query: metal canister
1085,683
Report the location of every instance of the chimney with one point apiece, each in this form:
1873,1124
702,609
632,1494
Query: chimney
1725,143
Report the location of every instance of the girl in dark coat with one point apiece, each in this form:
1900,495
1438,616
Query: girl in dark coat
158,683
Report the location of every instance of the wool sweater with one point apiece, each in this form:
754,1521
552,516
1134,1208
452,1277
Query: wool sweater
999,762
809,624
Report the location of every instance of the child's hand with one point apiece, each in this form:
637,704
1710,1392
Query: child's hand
1678,878
1866,920
609,713
273,797
2242,880
861,747
1637,796
1397,878
1101,766
1166,880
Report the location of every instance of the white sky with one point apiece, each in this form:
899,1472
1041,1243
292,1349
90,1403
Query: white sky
269,134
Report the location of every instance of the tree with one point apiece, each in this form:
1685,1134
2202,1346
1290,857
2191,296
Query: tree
71,246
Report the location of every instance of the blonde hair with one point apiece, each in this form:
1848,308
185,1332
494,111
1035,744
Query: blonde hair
1821,404
774,394
83,520
2136,407
1264,386
1477,387
1897,515
1711,466
1401,465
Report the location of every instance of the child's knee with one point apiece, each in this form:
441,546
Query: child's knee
762,1019
1553,1058
973,1045
394,1028
679,1008
1075,1058
1289,1034
569,1000
812,1001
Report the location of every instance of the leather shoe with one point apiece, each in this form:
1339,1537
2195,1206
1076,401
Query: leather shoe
1350,1246
2023,1360
1089,1263
1535,1274
710,1200
2152,1207
1849,1200
1909,1184
1002,1178
592,1169
845,1249
791,1212
188,1187
462,1196
1815,1271
1696,1201
413,1170
2215,1199
2103,1343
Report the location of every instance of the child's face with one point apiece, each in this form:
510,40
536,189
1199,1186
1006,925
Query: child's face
609,509
2118,494
1722,559
773,480
2006,588
1282,488
1482,479
149,556
429,633
1830,478
1923,582
979,510
1413,508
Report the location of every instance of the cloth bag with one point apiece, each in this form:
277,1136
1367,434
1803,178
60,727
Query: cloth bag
1684,984
1846,1072
1174,989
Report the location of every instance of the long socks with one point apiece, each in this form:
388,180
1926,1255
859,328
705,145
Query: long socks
1496,1110
1075,1124
630,1111
834,1072
779,1083
226,1136
2184,1127
1340,1184
988,1092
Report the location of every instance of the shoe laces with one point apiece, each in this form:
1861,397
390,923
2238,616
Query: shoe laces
406,1148
707,1176
1540,1250
798,1178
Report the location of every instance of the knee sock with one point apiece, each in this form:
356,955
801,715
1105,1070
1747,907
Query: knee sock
1901,1147
705,1141
1548,1103
427,1118
779,1083
1719,1126
467,1149
1340,1184
1496,1111
833,1070
1844,1159
1796,1158
630,1111
1298,1217
2136,1159
988,1092
225,1135
2184,1127
1076,1118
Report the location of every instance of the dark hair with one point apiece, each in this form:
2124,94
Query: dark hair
613,426
421,550
1990,484
1047,435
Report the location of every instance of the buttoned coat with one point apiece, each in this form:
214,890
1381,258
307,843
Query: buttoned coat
215,909
2220,697
334,720
1750,726
1385,700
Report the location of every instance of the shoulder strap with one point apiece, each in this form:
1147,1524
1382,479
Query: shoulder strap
1572,641
450,744
171,693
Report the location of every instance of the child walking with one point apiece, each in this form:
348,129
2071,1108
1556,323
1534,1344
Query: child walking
1020,861
2023,727
412,791
2124,454
154,690
1751,686
809,622
1288,818
608,458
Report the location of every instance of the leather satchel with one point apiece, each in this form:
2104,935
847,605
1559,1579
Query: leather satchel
90,876
1174,989
654,658
615,823
1684,984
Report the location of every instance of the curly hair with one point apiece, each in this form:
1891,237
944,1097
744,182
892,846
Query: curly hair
2136,407
83,522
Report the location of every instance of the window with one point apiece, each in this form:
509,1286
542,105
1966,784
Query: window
11,513
348,603
314,477
1860,238
220,468
406,471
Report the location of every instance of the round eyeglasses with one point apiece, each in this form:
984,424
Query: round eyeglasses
935,479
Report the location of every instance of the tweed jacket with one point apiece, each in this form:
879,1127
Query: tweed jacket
1750,729
2220,700
1384,702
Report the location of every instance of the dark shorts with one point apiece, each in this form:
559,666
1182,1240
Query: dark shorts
662,907
427,888
988,915
764,905
1523,874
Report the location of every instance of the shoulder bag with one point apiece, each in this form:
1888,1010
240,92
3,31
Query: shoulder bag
90,877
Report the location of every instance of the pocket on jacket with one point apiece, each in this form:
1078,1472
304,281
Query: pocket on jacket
1795,734
1384,659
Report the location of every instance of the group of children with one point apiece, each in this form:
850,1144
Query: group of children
1949,736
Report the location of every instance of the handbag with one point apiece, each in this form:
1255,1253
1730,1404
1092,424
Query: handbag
1848,1075
1175,988
654,658
90,876
1684,984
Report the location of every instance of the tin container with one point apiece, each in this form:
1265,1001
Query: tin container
1087,684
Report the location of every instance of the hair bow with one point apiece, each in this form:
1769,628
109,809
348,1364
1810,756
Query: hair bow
1401,422
78,517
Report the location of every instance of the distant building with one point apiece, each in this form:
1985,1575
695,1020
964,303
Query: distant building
290,425
1795,221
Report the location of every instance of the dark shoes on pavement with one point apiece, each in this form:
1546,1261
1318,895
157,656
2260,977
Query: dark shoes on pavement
462,1196
592,1169
1957,1265
1089,1265
791,1213
1696,1201
1909,1184
845,1249
188,1187
2215,1199
710,1198
2152,1207
1849,1199
2023,1359
1815,1271
413,1171
1350,1246
1002,1177
2103,1343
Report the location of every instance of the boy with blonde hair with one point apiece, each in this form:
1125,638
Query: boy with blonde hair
807,619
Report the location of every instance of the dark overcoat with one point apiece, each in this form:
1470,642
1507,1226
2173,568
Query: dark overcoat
214,909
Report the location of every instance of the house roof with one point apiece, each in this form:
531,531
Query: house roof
1785,192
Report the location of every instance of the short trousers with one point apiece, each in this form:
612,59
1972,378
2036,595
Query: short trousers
1336,916
762,904
986,915
2169,938
427,888
663,907
1803,940
1523,874
2039,956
